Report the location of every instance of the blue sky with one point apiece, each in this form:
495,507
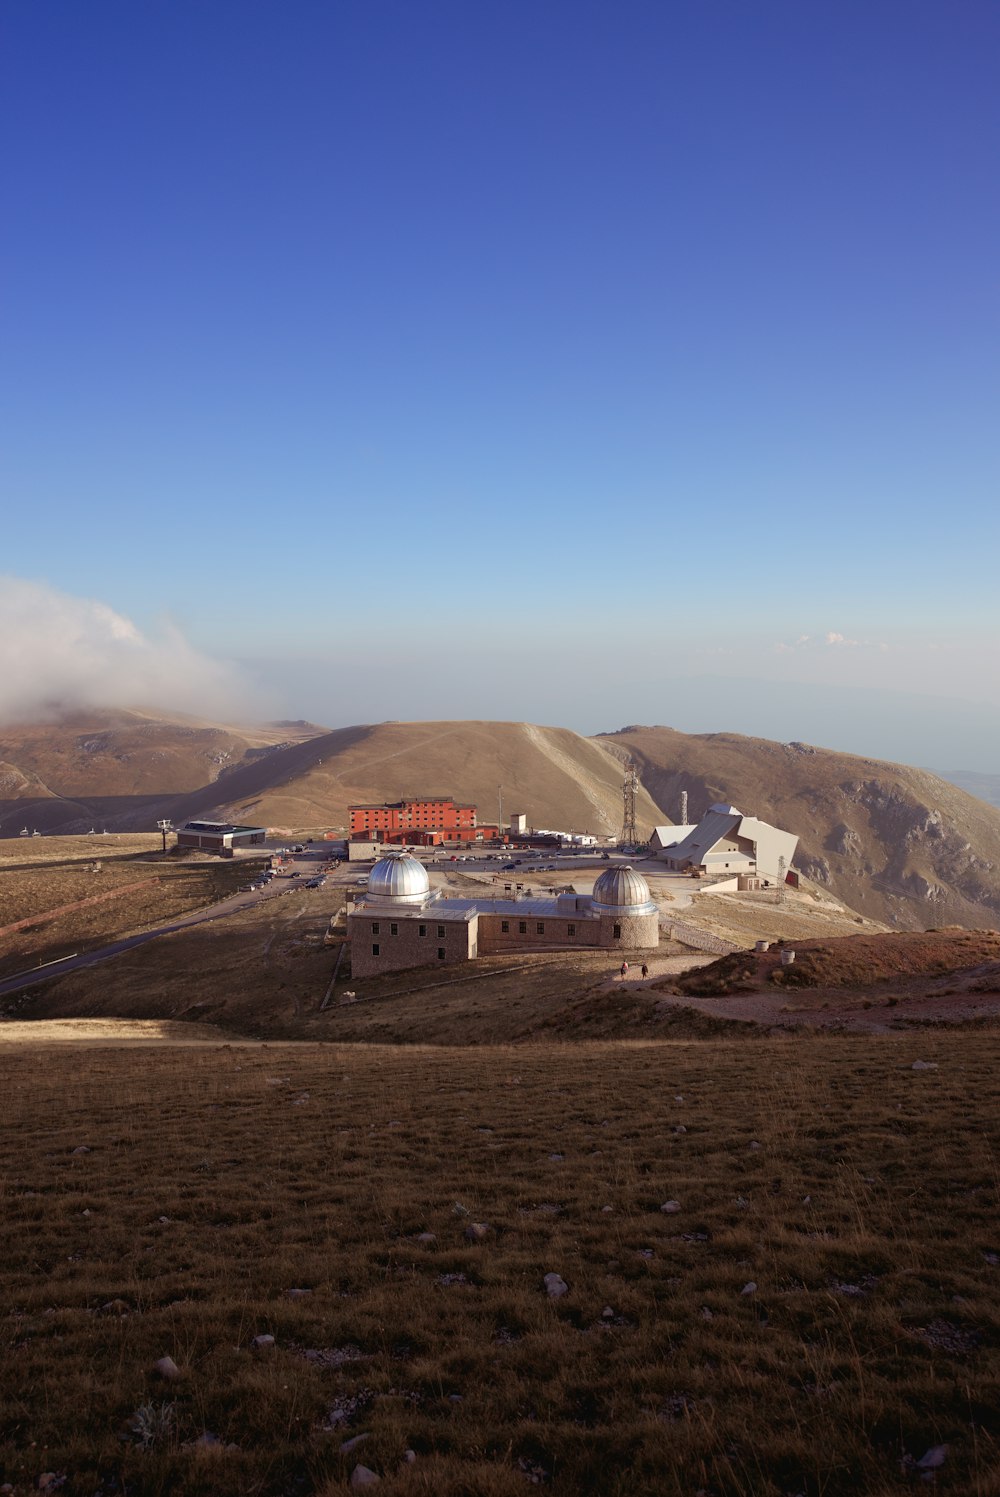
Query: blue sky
679,321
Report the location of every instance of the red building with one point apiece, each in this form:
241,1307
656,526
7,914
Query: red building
422,823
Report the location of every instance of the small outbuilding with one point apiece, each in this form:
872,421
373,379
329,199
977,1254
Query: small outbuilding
220,837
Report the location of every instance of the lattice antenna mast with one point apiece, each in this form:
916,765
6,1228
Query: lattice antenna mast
630,789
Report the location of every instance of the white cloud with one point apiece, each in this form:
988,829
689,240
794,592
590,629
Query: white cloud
59,653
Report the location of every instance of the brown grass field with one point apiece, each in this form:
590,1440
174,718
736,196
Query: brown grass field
43,874
859,1196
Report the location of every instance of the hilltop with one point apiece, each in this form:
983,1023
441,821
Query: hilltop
127,769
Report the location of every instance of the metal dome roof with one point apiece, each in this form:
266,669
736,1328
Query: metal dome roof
399,877
622,890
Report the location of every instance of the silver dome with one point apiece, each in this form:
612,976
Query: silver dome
623,891
399,877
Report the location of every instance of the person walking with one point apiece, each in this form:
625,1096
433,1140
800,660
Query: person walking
645,970
624,970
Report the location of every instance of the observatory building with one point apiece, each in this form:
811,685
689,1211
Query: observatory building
400,921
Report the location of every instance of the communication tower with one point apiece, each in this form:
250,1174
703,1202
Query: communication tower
630,789
684,808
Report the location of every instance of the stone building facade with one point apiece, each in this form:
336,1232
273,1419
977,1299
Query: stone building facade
400,923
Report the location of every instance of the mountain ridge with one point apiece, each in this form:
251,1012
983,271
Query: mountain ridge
900,844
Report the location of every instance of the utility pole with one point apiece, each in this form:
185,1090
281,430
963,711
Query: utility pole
165,827
499,811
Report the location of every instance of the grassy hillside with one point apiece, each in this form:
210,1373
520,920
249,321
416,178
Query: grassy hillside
815,1313
119,768
556,777
899,844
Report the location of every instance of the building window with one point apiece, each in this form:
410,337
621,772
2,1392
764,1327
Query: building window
571,930
440,953
523,928
504,927
440,931
421,930
394,929
374,927
374,948
618,932
540,928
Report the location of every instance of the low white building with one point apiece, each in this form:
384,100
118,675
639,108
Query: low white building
727,842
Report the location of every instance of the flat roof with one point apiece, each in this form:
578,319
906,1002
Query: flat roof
220,828
465,909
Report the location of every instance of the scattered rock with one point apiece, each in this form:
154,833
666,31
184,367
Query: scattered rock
167,1368
364,1476
82,1149
556,1158
262,1343
755,1147
297,1293
935,1457
164,1221
477,1231
679,1128
607,1313
678,1099
355,1442
116,1307
409,1456
918,1065
428,1239
606,1209
749,1288
706,1313
555,1286
671,1207
459,1209
205,1441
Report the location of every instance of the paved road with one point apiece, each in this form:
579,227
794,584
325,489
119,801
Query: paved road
230,906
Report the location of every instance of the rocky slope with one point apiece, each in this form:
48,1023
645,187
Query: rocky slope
901,845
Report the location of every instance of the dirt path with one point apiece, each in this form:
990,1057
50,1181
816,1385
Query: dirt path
15,1032
833,1008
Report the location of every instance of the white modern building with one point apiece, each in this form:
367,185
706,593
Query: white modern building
725,842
